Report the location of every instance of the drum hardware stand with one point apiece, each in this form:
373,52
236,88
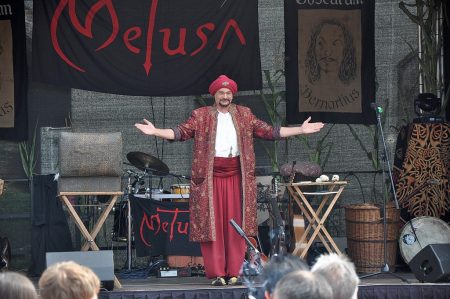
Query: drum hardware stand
150,174
178,176
385,157
129,191
278,236
129,233
148,191
130,187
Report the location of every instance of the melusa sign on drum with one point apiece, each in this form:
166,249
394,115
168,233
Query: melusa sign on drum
161,228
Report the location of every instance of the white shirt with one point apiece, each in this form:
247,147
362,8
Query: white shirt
226,138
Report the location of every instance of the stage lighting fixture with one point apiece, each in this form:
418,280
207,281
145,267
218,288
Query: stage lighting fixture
427,104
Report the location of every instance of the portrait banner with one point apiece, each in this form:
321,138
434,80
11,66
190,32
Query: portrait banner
161,228
13,72
330,61
146,47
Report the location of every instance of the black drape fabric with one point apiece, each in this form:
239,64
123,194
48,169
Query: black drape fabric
153,48
50,229
405,291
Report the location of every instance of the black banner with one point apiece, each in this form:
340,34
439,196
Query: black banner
13,72
330,61
162,228
146,47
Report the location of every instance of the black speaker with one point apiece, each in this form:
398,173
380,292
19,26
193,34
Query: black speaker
101,262
432,263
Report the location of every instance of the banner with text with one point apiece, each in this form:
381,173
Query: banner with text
162,228
13,72
153,48
330,61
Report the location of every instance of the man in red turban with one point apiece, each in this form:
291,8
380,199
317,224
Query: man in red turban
223,185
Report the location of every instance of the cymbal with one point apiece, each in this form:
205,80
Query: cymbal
147,162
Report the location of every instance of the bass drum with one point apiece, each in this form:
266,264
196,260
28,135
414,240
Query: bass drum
427,230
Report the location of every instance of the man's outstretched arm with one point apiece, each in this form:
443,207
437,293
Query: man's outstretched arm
306,128
149,129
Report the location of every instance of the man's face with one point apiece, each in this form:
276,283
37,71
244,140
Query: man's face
330,48
223,98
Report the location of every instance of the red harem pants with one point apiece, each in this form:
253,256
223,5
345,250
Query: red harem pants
225,255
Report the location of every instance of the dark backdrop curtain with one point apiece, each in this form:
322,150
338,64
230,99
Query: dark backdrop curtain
50,230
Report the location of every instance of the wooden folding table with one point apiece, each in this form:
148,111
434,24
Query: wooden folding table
90,236
316,218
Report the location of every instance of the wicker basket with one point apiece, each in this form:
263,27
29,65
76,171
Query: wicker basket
365,236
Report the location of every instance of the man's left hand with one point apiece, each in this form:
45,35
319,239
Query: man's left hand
307,127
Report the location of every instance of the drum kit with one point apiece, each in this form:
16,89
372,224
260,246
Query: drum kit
151,167
140,185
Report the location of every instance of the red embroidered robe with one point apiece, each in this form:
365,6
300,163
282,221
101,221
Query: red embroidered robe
202,126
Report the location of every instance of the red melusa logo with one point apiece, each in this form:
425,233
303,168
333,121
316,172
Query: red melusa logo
135,33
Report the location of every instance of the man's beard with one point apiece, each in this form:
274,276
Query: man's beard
224,103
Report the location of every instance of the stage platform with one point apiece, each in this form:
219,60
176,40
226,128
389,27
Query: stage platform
382,286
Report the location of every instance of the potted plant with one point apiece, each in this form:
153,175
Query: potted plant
272,101
28,157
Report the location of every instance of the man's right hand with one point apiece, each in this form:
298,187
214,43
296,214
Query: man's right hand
149,129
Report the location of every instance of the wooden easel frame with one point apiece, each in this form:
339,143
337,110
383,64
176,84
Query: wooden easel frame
316,218
90,236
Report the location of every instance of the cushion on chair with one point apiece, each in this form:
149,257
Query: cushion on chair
89,184
90,154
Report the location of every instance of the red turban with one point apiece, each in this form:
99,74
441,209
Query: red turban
222,82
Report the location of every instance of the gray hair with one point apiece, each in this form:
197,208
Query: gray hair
14,285
303,284
340,273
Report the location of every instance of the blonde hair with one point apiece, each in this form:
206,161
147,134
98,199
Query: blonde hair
68,280
15,285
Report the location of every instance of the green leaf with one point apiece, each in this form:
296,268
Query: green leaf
28,155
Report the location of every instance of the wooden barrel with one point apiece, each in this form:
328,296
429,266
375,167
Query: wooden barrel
365,236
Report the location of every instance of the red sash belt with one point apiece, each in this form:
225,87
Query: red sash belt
226,167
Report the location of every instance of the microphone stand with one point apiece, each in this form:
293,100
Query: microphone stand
385,269
254,265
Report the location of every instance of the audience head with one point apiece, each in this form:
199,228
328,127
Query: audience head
340,273
303,284
277,267
69,280
16,286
